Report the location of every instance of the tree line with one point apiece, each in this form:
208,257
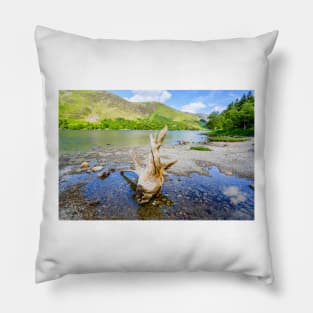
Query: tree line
237,119
158,122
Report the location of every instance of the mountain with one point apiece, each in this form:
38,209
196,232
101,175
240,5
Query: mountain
100,109
203,116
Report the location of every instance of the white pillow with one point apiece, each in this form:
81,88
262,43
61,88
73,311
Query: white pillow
73,63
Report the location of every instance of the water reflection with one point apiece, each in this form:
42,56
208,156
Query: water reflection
208,197
235,195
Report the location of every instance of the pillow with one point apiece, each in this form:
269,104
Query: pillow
155,155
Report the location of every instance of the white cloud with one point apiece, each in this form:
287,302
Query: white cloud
218,108
193,107
150,95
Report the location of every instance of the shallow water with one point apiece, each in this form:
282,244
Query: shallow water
71,141
211,197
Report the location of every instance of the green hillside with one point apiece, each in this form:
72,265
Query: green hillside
85,109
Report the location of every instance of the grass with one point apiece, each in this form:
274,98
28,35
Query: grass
201,148
238,132
227,138
234,135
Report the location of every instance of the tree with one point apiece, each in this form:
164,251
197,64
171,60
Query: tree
237,116
213,120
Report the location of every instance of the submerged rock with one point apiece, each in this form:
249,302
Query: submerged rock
104,174
97,168
79,170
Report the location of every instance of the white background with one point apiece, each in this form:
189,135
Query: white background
289,153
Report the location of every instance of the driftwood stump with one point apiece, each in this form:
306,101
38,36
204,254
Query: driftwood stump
151,178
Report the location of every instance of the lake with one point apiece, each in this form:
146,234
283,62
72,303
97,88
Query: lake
200,191
71,141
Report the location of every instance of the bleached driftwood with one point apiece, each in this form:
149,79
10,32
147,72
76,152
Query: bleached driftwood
151,178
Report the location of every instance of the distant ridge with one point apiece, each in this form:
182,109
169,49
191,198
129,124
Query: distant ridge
101,109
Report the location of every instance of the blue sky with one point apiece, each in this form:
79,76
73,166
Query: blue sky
193,101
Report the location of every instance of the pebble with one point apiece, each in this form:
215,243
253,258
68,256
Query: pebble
84,165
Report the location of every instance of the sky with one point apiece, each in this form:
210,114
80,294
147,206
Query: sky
192,101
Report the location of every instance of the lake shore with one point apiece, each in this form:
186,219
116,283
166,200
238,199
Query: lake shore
232,158
210,185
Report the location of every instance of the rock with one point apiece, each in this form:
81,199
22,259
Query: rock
104,174
79,171
97,168
94,203
84,165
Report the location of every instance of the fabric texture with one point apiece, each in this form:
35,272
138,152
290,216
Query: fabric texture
71,62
